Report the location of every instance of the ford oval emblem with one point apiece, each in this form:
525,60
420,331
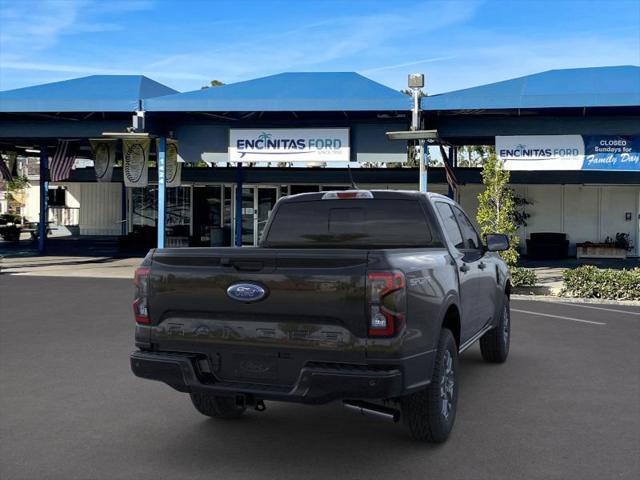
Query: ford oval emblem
246,292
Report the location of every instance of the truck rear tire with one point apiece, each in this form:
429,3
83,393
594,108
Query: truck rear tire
215,406
430,413
494,345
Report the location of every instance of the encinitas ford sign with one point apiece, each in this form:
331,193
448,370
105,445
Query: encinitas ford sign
289,145
541,152
569,152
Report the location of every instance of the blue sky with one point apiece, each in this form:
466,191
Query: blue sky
184,44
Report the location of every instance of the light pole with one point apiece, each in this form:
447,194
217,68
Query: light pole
416,83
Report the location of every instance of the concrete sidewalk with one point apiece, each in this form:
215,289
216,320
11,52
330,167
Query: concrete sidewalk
549,282
59,266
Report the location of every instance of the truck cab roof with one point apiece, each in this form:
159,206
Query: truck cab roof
378,194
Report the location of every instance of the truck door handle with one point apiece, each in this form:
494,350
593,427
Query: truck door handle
464,268
482,265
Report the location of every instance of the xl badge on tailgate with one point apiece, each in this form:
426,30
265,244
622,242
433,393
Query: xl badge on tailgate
246,292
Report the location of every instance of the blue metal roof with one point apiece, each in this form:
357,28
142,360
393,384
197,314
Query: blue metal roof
306,91
96,93
577,87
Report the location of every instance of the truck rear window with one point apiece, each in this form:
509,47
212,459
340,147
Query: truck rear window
353,223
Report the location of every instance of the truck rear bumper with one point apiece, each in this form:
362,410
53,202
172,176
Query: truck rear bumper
317,383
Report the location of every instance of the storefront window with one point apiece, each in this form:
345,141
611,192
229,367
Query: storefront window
295,189
228,199
144,213
178,219
144,207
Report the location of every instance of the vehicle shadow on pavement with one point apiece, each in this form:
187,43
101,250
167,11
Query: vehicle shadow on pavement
299,440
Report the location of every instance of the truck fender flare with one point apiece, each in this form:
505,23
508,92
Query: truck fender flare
450,300
505,289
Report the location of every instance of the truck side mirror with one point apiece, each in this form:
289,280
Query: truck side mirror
497,242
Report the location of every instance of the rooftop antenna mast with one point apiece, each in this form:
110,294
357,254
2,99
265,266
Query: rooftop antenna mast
416,83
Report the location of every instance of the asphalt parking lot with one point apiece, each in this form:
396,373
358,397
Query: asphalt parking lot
566,405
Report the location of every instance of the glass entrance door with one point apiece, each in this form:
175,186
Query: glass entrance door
265,200
257,203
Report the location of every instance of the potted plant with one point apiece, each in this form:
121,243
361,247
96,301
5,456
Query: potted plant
10,227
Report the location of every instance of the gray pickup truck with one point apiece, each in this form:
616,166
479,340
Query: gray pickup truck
364,297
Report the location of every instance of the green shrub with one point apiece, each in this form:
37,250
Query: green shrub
592,282
522,277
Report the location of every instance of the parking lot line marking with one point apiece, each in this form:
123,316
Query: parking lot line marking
558,316
600,308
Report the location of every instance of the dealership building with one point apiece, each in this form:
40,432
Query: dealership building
571,139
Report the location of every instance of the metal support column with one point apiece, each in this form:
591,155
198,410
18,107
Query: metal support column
238,209
44,200
162,190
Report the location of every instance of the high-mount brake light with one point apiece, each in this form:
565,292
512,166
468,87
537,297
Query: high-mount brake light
344,194
140,306
386,314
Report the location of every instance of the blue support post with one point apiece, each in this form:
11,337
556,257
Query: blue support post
424,159
238,209
44,199
124,230
162,190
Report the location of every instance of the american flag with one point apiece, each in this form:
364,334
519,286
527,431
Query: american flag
62,161
448,170
4,170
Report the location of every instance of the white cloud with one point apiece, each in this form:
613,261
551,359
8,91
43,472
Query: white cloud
435,37
501,57
314,46
89,70
31,27
408,64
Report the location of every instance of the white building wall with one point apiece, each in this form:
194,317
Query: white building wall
580,214
100,208
615,202
583,212
31,210
73,195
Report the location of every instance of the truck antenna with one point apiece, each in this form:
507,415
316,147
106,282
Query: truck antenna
353,184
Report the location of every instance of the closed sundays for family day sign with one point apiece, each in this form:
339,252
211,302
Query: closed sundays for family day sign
289,145
569,152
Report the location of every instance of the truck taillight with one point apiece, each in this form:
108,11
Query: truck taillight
386,298
140,306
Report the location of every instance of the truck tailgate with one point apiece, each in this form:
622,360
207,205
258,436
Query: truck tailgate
313,309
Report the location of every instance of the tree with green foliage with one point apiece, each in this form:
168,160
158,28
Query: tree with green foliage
474,155
15,194
497,208
213,83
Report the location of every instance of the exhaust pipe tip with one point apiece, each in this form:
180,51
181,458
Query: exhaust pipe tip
373,410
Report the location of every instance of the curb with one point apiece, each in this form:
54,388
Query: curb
556,299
